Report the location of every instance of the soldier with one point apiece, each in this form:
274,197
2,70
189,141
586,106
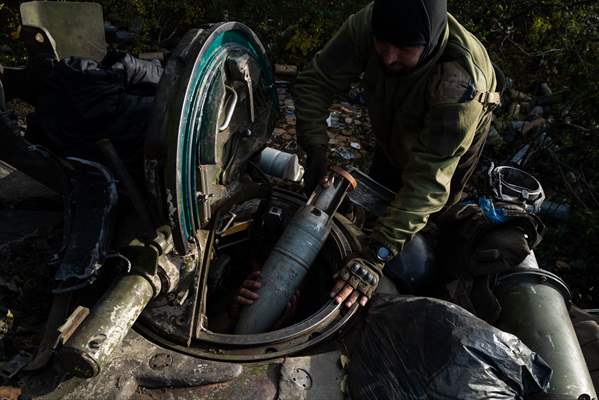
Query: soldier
430,88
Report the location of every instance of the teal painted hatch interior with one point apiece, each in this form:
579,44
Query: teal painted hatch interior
190,131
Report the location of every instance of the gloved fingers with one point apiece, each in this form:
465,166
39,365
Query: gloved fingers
360,275
363,275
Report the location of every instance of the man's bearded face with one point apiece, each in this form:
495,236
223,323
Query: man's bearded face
397,60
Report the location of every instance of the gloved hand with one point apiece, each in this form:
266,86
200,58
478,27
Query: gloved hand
358,278
317,165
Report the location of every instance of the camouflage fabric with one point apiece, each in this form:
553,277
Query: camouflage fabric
425,122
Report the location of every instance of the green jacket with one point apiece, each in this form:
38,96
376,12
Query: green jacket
424,121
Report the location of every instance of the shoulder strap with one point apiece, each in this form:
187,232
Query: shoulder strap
492,99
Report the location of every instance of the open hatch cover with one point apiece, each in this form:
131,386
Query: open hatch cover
215,108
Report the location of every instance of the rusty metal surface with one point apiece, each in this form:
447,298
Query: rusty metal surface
138,363
255,383
240,353
86,353
312,377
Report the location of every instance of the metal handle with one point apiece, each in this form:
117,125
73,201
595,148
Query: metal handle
120,170
248,79
232,104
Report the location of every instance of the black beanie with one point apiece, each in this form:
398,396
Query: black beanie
410,23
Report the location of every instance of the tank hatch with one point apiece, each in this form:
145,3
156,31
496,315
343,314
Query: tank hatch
215,109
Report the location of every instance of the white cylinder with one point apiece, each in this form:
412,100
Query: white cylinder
281,164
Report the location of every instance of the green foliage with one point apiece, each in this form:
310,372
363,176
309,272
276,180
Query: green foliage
304,42
292,30
555,42
153,22
540,27
9,32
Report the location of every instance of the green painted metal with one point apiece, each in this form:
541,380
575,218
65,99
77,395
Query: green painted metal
92,346
535,309
194,118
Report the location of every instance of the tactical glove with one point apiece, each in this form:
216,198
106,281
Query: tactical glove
361,274
317,165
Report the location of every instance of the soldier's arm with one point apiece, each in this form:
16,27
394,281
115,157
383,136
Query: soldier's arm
449,130
330,72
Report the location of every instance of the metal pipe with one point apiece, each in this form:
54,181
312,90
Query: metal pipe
88,351
294,253
120,170
535,308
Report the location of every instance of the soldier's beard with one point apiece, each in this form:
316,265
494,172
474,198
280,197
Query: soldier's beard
397,69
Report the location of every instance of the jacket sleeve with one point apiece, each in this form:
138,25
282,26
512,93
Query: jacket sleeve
449,129
330,72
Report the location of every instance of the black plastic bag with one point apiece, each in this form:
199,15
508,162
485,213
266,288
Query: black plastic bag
84,101
423,348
